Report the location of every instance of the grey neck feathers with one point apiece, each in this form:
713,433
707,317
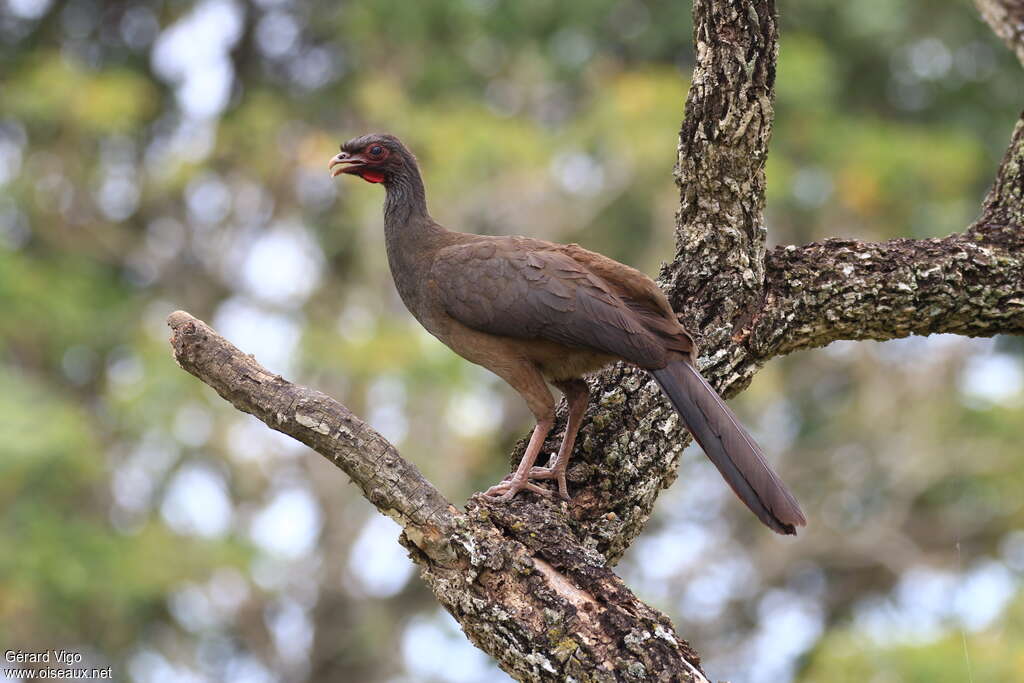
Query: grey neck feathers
410,233
406,199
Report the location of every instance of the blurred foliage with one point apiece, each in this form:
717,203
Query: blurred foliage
995,655
161,155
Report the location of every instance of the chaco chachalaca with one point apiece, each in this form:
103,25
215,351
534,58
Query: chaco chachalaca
532,311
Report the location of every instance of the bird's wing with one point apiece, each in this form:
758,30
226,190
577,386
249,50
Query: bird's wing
530,289
640,293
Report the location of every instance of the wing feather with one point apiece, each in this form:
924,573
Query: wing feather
529,289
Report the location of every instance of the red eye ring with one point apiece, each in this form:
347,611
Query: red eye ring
375,151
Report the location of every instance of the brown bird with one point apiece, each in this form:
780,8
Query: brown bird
534,312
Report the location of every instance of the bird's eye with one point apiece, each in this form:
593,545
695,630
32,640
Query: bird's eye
376,151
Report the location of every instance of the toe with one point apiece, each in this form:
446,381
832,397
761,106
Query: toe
506,490
540,490
541,473
497,490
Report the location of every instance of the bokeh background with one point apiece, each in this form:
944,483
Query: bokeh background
163,155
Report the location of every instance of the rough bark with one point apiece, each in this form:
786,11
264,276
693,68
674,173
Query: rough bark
530,580
723,146
845,289
1006,17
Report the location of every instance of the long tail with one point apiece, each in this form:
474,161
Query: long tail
730,447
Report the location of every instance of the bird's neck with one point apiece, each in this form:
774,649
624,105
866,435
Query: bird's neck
406,199
410,234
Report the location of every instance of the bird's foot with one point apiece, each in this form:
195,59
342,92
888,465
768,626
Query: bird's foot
552,473
542,473
507,489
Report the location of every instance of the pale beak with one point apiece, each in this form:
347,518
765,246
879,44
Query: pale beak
343,163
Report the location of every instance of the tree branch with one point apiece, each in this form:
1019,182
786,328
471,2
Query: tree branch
514,575
388,481
723,146
1006,17
530,580
846,289
970,283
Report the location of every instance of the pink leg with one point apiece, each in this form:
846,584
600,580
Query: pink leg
530,384
576,395
520,479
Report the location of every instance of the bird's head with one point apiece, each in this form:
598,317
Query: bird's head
376,158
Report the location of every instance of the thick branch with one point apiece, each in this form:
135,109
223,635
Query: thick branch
723,146
1006,17
391,483
970,283
515,576
845,289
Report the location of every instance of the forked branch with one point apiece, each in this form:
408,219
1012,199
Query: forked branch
530,580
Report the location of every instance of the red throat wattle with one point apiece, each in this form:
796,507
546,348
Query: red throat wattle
372,176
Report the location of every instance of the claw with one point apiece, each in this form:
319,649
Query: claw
506,490
552,473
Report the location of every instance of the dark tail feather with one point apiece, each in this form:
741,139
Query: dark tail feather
730,447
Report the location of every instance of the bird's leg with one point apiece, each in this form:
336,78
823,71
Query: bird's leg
530,384
520,479
577,394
